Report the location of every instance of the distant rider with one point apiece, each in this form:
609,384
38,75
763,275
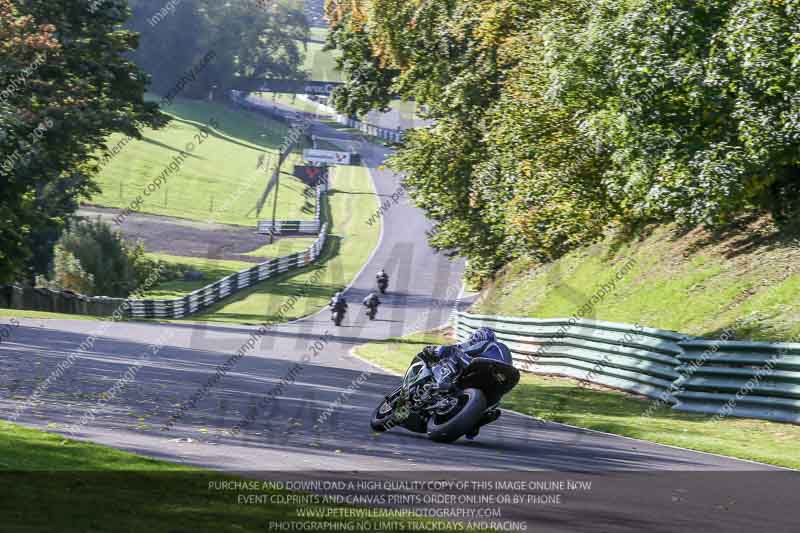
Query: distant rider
372,301
338,303
382,277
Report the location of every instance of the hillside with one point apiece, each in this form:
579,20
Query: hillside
746,278
218,181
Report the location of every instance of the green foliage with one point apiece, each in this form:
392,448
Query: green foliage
68,274
67,84
247,39
366,85
556,120
93,259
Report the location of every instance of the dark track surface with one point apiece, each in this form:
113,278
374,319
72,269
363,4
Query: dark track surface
284,437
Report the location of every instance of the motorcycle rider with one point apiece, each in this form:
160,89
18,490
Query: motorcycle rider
445,361
382,277
338,303
372,302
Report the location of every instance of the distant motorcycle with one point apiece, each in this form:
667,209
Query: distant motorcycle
479,385
383,284
337,316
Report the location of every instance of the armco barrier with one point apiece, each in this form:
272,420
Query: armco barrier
745,379
309,227
724,378
395,136
631,358
211,294
288,226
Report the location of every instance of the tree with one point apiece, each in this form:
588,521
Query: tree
71,86
93,259
555,119
68,274
248,39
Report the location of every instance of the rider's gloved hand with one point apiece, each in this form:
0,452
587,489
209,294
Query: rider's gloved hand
429,354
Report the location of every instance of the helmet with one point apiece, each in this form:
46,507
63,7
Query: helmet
481,335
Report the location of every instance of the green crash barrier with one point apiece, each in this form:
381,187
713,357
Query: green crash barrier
722,378
627,357
743,379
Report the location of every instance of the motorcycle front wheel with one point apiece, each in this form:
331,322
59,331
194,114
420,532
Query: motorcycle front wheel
465,413
383,418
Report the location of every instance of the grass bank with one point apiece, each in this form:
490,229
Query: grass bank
564,400
50,483
219,180
746,278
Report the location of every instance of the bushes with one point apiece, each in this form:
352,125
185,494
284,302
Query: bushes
92,259
556,120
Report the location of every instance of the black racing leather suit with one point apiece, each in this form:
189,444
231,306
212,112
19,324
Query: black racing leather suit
371,301
447,361
339,304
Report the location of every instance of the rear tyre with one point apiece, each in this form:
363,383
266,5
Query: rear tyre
462,418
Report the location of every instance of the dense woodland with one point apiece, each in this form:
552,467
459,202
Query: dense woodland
556,120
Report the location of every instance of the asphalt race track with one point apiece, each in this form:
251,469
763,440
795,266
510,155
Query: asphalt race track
637,486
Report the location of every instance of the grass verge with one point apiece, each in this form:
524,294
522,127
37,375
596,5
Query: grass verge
24,313
219,180
746,278
564,400
319,63
50,483
211,269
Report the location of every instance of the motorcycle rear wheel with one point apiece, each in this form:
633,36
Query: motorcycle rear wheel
451,426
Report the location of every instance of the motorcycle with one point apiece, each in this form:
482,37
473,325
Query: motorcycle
337,316
446,416
383,284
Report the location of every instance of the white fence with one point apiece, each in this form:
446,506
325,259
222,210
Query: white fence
214,293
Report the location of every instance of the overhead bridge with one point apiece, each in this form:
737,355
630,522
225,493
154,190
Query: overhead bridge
252,85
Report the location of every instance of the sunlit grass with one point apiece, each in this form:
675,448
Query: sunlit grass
218,181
